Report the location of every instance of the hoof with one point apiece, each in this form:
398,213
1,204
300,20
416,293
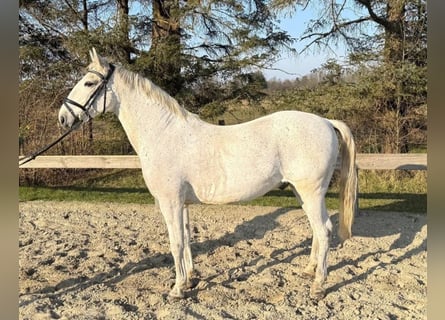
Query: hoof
317,293
176,294
309,272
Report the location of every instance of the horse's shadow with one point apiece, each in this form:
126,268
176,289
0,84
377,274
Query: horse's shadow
243,232
384,225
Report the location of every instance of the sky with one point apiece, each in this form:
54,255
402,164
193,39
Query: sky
300,65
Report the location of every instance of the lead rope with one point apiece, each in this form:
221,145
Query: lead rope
32,156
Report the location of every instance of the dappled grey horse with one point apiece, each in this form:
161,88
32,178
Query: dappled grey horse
185,160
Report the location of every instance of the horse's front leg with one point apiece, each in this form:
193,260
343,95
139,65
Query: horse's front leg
187,249
174,218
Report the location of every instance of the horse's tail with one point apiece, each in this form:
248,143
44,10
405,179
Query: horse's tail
348,180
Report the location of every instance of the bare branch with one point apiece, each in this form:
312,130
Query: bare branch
336,28
281,70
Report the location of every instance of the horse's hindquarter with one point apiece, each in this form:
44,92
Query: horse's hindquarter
308,146
241,162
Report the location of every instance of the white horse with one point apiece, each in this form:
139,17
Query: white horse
185,160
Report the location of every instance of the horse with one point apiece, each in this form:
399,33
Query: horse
186,160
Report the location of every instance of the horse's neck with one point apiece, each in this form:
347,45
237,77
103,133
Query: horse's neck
143,118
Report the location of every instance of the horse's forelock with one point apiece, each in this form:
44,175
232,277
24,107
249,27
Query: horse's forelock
97,66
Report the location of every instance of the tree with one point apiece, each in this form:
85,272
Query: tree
389,35
197,41
398,26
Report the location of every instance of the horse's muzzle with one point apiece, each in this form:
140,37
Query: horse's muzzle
67,122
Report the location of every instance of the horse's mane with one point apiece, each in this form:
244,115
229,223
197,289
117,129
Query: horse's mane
152,91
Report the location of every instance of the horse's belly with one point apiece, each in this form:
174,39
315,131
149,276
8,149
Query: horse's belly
235,189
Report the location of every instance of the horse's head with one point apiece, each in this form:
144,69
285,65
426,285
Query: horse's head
88,98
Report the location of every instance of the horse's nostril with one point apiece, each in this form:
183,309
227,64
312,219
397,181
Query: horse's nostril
62,119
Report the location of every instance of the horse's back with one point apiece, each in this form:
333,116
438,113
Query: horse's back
287,136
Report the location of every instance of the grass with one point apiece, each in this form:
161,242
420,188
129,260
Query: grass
403,191
89,194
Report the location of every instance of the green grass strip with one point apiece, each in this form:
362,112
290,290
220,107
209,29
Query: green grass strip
401,202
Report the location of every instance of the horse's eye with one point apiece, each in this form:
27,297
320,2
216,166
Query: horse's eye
89,83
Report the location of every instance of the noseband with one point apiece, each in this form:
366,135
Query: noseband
88,104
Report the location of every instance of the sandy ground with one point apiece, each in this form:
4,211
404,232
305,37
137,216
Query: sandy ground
112,261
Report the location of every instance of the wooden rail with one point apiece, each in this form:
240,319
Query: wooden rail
365,161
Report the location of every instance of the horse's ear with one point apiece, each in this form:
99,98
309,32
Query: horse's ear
95,57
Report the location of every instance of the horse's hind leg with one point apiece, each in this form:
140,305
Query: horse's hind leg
314,205
309,271
321,227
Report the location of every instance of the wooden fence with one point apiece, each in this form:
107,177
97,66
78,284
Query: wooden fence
365,161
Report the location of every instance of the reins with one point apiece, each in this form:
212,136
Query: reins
84,108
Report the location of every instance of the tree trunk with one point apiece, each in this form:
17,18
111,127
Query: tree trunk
123,30
394,56
165,52
394,33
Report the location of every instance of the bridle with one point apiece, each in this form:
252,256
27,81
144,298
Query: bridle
84,108
89,103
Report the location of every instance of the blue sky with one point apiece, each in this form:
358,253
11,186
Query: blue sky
300,65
